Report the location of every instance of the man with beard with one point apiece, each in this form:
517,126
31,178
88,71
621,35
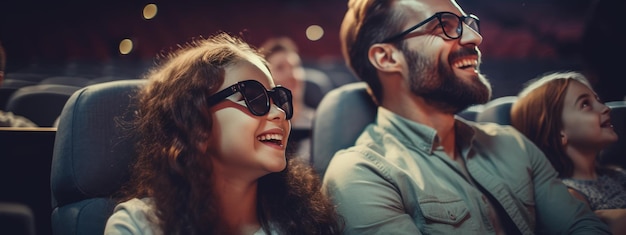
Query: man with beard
418,168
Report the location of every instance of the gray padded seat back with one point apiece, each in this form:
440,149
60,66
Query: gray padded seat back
66,80
8,87
17,219
317,84
92,155
470,113
339,119
497,110
41,103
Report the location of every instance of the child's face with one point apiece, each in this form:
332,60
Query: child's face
248,146
586,121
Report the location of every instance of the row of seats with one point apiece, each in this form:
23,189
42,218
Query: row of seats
43,103
90,159
39,93
90,156
40,96
38,90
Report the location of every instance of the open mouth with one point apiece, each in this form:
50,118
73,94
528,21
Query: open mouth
276,139
466,63
606,124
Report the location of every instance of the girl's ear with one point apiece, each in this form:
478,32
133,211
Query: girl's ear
563,138
385,57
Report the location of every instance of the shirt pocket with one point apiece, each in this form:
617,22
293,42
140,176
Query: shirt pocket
450,212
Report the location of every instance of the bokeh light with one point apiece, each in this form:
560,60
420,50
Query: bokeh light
314,32
149,11
126,46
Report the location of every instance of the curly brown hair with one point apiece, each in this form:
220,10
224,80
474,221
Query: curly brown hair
173,121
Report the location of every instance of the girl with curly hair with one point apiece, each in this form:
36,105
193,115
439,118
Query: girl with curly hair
213,129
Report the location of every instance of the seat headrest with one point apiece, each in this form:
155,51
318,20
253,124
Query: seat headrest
92,153
339,119
471,112
317,84
614,154
41,103
66,80
497,110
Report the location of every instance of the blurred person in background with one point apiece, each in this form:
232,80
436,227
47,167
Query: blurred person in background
286,67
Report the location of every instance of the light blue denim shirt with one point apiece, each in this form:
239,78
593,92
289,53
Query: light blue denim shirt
395,180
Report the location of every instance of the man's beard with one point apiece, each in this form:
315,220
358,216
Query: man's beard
440,87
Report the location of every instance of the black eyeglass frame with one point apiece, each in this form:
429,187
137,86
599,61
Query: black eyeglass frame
271,94
437,16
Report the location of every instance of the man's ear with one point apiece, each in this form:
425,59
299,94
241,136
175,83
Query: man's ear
385,57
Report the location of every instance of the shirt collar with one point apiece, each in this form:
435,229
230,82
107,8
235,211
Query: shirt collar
416,135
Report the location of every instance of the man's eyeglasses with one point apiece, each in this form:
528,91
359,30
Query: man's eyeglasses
450,23
257,99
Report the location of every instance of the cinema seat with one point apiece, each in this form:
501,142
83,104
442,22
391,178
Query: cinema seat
16,219
497,110
340,118
41,103
91,157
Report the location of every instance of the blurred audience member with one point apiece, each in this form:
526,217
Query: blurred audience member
563,116
286,67
8,119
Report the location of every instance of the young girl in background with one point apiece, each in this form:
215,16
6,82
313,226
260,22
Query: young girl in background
563,116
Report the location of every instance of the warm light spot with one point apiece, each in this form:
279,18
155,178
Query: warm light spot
149,11
126,46
314,32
